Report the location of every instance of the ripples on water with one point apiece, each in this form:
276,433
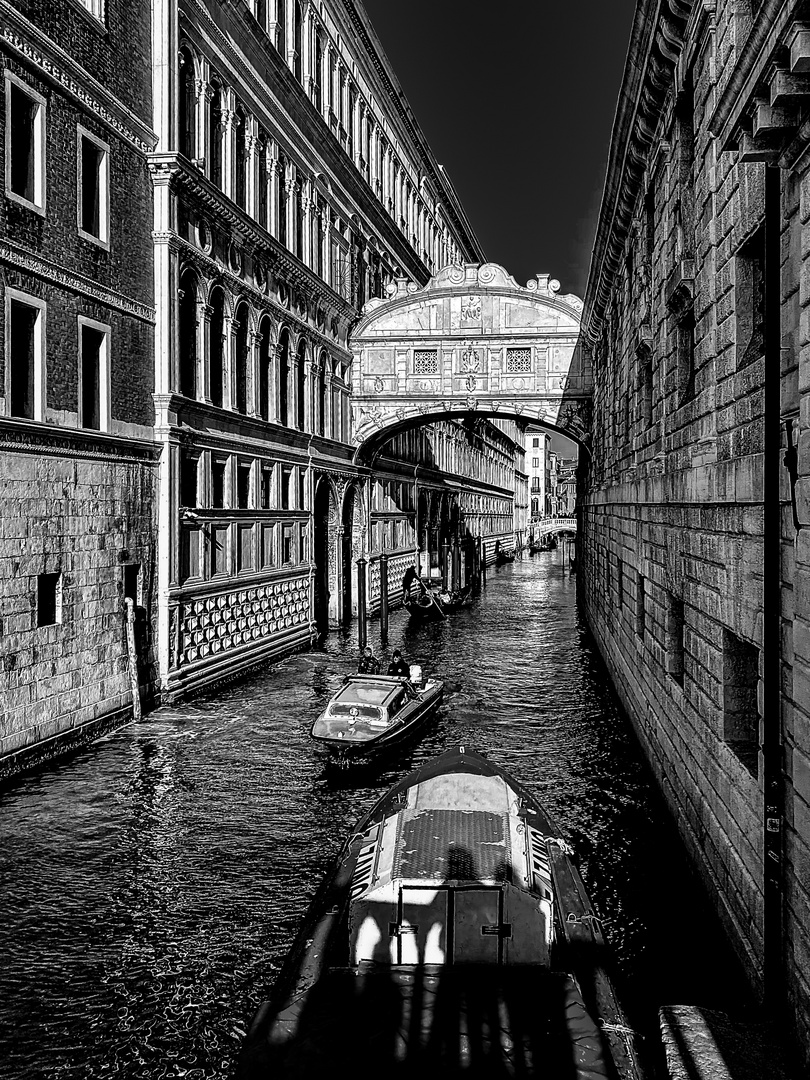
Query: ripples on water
153,883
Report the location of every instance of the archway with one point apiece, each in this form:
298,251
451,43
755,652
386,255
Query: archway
352,522
326,593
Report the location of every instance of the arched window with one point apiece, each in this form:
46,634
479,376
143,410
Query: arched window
265,368
298,41
240,159
301,387
299,220
216,345
322,394
187,333
317,67
215,135
317,240
185,104
281,202
241,322
281,28
283,376
262,186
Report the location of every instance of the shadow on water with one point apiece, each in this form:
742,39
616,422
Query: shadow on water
153,883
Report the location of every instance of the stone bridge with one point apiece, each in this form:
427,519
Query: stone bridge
470,341
545,526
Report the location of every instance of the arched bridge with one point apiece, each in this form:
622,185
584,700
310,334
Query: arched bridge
472,340
546,526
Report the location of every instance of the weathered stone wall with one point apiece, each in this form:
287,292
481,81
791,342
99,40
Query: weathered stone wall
673,526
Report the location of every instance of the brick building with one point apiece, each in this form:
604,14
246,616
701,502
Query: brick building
695,505
77,462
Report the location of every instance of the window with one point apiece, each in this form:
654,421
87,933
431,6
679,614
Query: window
685,354
302,489
267,487
93,375
749,301
25,144
186,105
740,711
187,318
25,368
215,135
535,463
243,485
535,443
286,479
93,187
49,599
240,134
673,630
218,469
189,465
95,7
645,378
287,544
131,583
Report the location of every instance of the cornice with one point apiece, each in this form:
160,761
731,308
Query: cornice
58,67
655,47
30,262
32,437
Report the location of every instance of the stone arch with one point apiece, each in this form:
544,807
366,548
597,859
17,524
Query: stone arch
218,305
320,425
353,524
242,327
301,383
267,368
283,366
189,290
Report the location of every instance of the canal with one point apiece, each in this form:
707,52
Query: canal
152,883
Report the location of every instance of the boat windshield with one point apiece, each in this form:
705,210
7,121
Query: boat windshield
365,693
363,712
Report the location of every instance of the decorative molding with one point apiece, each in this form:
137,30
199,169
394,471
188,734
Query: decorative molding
28,437
56,65
16,256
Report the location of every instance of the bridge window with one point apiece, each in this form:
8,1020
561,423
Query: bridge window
640,612
425,361
518,360
740,712
749,302
49,599
673,629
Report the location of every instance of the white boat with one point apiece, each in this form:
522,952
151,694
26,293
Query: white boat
453,938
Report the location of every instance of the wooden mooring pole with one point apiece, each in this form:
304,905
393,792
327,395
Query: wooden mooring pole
361,602
384,596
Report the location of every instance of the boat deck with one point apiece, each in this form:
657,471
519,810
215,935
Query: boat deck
426,1022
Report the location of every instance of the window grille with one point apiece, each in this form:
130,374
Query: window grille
425,362
518,361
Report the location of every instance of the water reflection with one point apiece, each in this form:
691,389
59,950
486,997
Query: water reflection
152,884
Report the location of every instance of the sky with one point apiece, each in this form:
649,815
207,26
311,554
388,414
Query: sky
517,99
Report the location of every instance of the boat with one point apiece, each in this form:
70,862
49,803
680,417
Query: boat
503,557
534,548
425,608
455,600
372,714
452,938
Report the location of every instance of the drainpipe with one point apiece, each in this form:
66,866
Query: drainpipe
772,741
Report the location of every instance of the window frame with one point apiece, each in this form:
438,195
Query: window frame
103,240
39,205
12,294
104,412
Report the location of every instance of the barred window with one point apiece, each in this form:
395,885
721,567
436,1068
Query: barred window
425,362
518,360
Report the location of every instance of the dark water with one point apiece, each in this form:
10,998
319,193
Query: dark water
152,884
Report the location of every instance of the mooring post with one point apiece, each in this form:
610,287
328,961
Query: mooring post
384,596
445,562
361,602
482,560
456,564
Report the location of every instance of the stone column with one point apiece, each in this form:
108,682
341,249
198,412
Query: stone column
202,102
306,210
274,179
291,187
229,134
252,166
201,332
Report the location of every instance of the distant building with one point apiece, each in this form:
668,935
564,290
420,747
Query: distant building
78,467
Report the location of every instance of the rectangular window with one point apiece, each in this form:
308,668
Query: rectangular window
267,487
302,489
218,470
619,583
535,443
287,544
93,187
93,375
243,485
25,335
302,544
685,354
95,7
740,710
49,599
132,579
219,550
535,463
749,299
244,551
673,629
268,545
640,613
189,466
25,144
286,479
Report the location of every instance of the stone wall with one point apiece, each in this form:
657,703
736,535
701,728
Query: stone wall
675,543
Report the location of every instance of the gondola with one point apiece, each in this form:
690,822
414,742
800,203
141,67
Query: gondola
454,601
452,938
372,714
504,557
425,608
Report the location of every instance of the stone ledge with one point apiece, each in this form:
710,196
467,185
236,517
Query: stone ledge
702,1044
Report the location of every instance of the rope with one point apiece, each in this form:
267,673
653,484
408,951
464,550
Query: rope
620,1029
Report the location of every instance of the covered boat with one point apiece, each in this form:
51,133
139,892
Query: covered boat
371,714
453,938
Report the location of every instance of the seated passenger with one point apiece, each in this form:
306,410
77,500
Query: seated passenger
369,664
398,666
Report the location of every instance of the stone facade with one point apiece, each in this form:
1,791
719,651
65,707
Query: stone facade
77,462
693,512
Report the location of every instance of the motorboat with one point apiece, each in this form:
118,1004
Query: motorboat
371,714
452,938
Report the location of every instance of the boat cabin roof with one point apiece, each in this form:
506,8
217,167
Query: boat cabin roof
368,690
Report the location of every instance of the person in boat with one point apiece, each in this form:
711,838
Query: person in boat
369,664
412,587
399,666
